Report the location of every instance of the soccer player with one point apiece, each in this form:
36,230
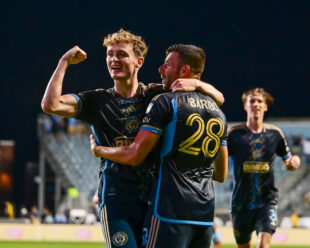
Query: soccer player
252,147
115,115
193,132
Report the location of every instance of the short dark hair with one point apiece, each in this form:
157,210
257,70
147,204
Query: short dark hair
269,100
190,55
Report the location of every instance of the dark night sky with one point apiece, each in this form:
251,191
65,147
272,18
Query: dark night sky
248,44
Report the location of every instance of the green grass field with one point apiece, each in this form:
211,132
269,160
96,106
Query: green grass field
89,245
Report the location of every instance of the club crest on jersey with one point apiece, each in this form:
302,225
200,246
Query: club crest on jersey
120,238
132,124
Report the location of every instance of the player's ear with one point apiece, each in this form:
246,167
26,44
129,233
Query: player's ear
140,62
185,71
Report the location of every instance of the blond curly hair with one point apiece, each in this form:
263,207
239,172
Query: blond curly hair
123,36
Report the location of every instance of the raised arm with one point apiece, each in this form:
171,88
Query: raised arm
221,165
292,163
192,84
132,155
53,101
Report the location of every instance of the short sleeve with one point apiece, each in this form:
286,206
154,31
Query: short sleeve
158,114
283,149
87,104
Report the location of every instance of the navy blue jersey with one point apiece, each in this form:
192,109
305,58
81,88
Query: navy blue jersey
115,121
253,158
193,129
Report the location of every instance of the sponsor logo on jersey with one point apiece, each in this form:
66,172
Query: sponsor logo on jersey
120,238
123,141
255,167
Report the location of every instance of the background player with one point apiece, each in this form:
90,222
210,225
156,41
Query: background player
216,238
115,115
252,147
193,130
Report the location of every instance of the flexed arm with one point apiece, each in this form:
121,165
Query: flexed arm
53,101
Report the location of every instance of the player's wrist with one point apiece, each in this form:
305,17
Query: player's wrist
63,63
198,84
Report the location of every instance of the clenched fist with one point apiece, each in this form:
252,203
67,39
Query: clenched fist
74,55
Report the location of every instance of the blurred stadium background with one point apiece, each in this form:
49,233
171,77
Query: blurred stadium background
47,174
63,183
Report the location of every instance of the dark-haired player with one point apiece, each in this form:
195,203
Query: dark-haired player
193,131
115,117
253,147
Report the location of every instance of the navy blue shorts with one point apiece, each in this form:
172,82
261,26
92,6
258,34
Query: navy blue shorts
160,234
122,223
261,220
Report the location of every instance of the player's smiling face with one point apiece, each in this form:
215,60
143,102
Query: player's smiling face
121,61
170,70
255,105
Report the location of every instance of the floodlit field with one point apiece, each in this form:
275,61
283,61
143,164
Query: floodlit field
90,245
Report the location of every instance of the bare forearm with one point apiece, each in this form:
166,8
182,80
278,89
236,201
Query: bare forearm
210,90
53,102
122,155
53,90
221,165
132,155
192,84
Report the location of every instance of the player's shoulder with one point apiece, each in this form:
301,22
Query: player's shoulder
96,91
163,96
236,127
273,128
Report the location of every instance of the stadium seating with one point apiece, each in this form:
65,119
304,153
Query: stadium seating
70,157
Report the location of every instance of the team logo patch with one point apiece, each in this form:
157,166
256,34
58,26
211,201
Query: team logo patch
120,238
133,123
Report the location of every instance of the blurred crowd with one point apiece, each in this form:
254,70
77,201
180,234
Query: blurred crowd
58,125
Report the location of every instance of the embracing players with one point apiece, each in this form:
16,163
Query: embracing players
115,117
191,131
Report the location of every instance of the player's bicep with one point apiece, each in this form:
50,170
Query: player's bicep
68,106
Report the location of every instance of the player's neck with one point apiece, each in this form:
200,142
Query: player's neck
126,88
255,125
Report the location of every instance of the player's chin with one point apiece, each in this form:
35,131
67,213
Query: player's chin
117,76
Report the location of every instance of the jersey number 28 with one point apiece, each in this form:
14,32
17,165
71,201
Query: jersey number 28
187,145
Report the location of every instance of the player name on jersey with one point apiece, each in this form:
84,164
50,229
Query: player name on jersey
202,104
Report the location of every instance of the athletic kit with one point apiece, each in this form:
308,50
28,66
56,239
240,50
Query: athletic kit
193,128
115,121
255,197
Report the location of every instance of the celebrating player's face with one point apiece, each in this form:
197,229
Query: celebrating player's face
121,61
170,70
255,105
